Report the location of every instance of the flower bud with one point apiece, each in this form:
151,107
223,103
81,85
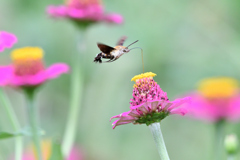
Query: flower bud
231,144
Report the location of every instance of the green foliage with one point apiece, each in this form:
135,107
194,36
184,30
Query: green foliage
56,152
6,135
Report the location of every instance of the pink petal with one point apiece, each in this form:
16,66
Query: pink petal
56,70
93,13
6,72
117,123
167,106
134,113
114,18
57,11
36,79
179,102
154,105
180,111
201,108
232,112
76,13
7,40
143,108
28,156
52,72
76,154
120,115
124,118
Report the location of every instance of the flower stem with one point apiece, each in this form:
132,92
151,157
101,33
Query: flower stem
15,124
77,81
158,138
219,139
33,120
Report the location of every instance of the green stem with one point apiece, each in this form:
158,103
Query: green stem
33,120
15,124
77,81
159,141
219,140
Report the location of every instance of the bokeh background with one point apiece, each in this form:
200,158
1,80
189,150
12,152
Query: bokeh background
183,42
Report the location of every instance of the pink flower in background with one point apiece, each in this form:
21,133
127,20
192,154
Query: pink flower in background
216,99
84,11
28,69
7,40
75,154
149,104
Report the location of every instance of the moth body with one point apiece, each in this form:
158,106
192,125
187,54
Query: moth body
111,53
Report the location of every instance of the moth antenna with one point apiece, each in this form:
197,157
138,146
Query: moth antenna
141,53
132,43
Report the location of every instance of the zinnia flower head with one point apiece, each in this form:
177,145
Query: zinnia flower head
47,148
149,104
216,99
28,69
7,40
86,11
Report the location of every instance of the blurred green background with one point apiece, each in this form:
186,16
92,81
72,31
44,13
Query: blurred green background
183,42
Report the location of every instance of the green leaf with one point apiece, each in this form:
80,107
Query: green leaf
5,135
56,152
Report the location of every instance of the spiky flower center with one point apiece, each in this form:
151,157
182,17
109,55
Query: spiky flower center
82,3
146,89
27,61
222,87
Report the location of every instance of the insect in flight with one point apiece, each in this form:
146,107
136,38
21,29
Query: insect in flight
112,53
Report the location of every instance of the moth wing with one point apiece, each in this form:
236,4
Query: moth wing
105,48
121,41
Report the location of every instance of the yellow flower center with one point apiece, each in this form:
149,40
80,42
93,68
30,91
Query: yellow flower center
144,79
222,87
27,61
27,53
143,75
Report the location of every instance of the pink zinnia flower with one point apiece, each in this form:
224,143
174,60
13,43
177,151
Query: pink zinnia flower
7,40
83,11
149,104
28,69
216,99
75,154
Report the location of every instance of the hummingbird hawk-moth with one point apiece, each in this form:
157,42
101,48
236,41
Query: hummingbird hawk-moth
112,53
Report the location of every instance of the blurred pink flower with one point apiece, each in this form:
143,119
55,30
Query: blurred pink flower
28,69
149,104
83,11
7,40
75,154
216,99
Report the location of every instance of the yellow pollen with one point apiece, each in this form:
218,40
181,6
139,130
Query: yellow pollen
222,87
27,53
143,75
